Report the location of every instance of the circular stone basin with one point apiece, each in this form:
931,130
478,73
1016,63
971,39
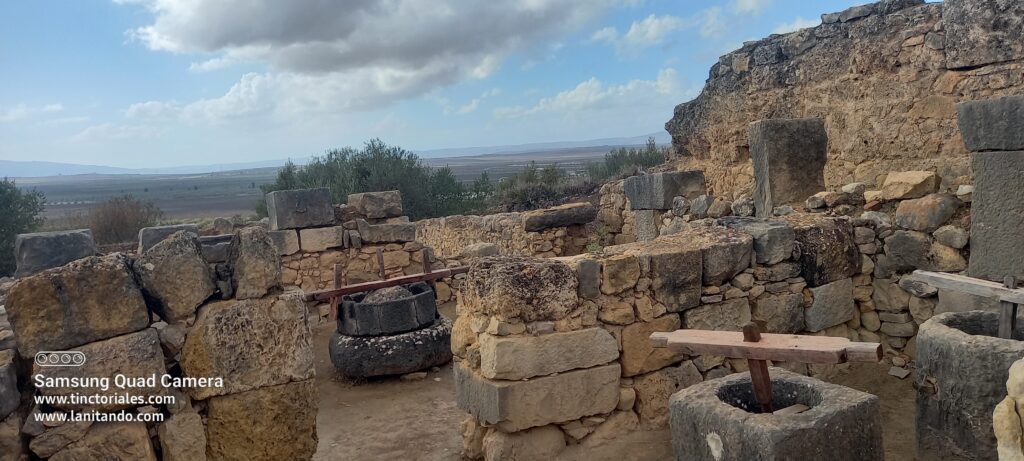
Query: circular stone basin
961,375
785,393
388,311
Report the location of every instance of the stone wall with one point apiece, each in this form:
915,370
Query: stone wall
885,78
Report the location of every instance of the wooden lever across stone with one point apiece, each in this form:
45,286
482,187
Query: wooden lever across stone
1007,292
758,348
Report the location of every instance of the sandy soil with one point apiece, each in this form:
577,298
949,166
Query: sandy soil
390,419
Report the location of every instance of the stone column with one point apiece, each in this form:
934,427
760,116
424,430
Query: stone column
789,158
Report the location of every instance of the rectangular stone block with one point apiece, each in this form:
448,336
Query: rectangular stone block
827,249
521,357
559,216
286,241
730,315
37,252
676,274
296,209
993,124
386,233
833,304
84,301
789,158
637,354
773,240
216,248
645,225
655,191
149,236
996,210
980,32
517,405
520,288
320,239
270,423
377,205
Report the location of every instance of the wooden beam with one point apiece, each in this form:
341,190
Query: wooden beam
326,295
775,347
1008,311
970,285
759,378
380,262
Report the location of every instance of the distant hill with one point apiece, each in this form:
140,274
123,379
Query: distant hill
33,169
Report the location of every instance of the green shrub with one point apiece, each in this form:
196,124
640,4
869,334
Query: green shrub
119,219
19,213
624,161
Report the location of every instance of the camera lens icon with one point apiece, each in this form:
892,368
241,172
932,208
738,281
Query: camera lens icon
60,359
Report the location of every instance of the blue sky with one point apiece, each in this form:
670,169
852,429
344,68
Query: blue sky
155,83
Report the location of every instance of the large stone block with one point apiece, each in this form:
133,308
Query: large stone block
676,275
183,437
926,213
781,313
789,158
149,236
993,124
833,304
654,389
319,239
827,248
524,288
286,241
9,395
901,185
980,32
255,263
996,211
517,405
367,356
377,205
11,445
521,357
655,191
296,209
110,441
215,248
386,233
37,252
544,442
645,225
724,252
637,354
773,240
266,424
135,355
175,276
559,216
729,315
250,344
84,301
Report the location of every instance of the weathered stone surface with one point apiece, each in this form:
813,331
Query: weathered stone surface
271,423
149,236
286,241
300,208
559,216
996,209
720,208
538,443
317,239
110,441
730,315
773,240
993,124
249,343
135,355
46,444
654,389
907,250
832,304
656,191
183,437
743,206
958,301
619,273
782,313
9,395
724,252
789,158
827,250
413,309
645,225
84,301
637,354
528,289
677,275
37,252
11,445
680,206
518,405
377,205
612,429
479,250
386,233
174,274
913,285
706,423
901,185
521,357
588,271
962,369
255,263
982,32
952,236
215,248
777,272
926,213
888,296
899,330
701,205
368,356
1006,424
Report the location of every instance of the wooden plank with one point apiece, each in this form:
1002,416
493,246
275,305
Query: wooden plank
425,256
776,347
325,295
970,285
759,378
1008,311
792,410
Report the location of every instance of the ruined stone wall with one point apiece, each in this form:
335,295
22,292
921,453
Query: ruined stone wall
885,77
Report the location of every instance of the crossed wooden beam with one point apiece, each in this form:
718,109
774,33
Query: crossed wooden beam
1009,295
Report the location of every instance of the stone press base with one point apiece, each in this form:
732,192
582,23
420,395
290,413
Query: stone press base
370,356
716,421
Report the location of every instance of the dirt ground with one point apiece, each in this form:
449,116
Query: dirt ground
390,419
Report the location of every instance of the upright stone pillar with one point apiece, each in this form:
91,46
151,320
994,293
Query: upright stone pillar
993,130
789,158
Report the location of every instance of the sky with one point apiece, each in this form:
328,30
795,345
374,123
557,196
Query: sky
160,83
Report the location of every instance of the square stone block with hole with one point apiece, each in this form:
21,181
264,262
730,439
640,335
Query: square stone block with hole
45,250
517,405
656,191
296,209
789,158
996,210
720,420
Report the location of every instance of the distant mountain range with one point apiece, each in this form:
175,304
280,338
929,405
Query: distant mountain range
31,169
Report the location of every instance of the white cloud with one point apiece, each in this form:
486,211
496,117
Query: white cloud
473,104
797,24
153,109
750,6
650,31
24,111
712,23
111,132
